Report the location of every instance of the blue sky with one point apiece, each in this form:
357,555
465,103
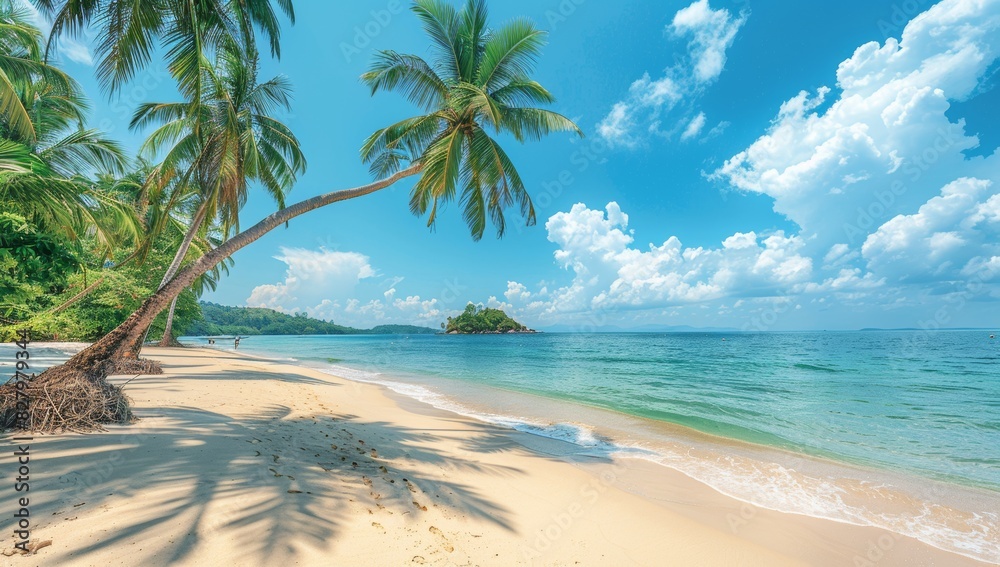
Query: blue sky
758,165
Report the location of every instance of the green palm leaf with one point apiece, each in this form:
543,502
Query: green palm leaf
479,81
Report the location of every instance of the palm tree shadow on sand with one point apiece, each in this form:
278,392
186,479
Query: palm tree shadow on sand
268,484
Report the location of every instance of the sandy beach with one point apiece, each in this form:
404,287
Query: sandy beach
242,461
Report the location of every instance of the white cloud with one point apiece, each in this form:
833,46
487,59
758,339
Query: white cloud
516,291
311,277
618,124
946,235
327,284
694,127
710,33
609,272
885,146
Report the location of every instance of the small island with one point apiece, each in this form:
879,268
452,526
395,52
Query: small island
477,320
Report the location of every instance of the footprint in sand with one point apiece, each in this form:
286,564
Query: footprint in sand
445,544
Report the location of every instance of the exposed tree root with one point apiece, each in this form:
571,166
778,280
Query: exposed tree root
72,401
72,397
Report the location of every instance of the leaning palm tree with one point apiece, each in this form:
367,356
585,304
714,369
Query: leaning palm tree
479,85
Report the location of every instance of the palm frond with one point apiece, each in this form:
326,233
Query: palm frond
441,22
536,123
409,74
510,52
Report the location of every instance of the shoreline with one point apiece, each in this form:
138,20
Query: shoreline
848,487
952,516
496,495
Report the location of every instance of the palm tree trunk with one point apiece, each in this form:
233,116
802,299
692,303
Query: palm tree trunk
175,265
118,343
77,297
168,328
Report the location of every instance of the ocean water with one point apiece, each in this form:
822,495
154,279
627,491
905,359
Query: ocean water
895,429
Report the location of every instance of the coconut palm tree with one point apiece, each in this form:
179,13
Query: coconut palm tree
220,144
479,85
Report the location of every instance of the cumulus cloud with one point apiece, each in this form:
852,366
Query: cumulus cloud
884,146
311,277
610,272
946,238
327,284
613,277
651,102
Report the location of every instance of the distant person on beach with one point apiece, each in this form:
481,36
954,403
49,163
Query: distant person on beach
237,343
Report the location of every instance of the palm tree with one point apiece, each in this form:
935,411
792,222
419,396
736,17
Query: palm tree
447,147
216,146
478,84
193,33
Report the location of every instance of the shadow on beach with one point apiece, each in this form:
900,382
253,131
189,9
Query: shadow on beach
267,480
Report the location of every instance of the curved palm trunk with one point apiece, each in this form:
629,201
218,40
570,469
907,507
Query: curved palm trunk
120,343
175,265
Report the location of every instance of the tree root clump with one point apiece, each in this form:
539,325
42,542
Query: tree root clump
73,401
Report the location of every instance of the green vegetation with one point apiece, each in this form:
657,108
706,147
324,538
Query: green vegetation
66,294
242,321
479,320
